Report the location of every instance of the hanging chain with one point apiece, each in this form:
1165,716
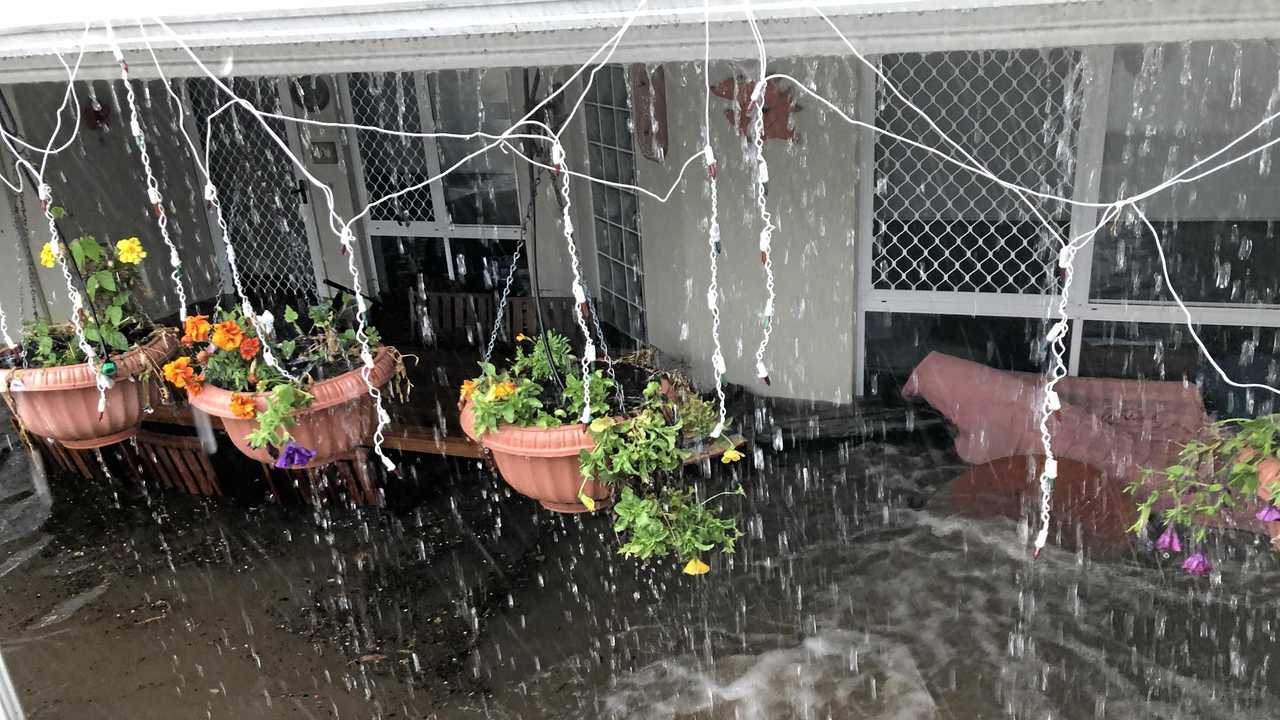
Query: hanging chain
506,292
515,264
153,187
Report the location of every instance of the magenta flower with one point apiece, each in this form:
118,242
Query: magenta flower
1168,540
294,455
1197,564
1268,513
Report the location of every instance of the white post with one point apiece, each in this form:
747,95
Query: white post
1090,141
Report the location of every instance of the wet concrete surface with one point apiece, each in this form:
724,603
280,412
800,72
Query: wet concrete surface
461,600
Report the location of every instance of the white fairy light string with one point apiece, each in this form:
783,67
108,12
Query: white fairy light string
154,197
713,234
762,196
579,293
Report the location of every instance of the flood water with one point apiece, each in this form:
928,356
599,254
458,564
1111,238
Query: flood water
849,598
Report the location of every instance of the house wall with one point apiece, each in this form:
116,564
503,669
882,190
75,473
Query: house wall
99,181
811,196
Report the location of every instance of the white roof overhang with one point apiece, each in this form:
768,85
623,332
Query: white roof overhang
252,37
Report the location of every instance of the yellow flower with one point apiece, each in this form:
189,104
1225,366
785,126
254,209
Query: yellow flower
196,328
696,567
47,256
521,337
243,406
468,387
227,335
730,455
130,251
503,389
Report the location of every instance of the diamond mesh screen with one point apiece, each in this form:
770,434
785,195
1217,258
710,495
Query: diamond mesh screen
258,192
943,228
391,163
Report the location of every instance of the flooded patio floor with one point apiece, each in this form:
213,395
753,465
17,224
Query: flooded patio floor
849,598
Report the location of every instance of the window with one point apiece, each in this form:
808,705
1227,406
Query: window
482,191
615,211
474,213
942,228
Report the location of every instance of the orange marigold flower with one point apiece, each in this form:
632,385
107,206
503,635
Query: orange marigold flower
468,387
195,329
227,335
503,389
249,348
243,406
181,375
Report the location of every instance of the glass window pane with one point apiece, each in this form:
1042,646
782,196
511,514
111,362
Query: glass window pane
615,242
483,189
1170,106
622,130
631,249
608,131
630,219
605,270
619,87
593,123
1159,351
613,205
897,342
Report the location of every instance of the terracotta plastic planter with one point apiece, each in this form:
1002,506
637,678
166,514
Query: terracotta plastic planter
542,463
62,402
341,418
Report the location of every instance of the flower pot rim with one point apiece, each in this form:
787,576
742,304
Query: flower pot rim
515,440
328,393
132,362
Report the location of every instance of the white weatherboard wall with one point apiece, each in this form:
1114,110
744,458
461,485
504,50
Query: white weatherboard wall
812,200
99,181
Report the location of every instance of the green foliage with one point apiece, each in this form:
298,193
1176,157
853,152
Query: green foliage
536,364
639,446
638,451
110,311
672,522
275,421
328,345
503,399
1211,476
698,416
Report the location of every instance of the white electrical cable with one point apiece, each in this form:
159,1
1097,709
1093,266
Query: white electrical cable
154,198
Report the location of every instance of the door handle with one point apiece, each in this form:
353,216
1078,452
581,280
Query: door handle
301,192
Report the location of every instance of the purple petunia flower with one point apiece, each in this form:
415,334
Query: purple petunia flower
294,455
1197,564
1268,513
1168,540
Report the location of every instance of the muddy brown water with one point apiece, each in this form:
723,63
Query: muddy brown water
460,600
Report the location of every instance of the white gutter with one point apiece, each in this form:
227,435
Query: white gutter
477,33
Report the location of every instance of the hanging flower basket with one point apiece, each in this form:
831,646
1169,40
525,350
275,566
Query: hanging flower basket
62,402
341,418
542,463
